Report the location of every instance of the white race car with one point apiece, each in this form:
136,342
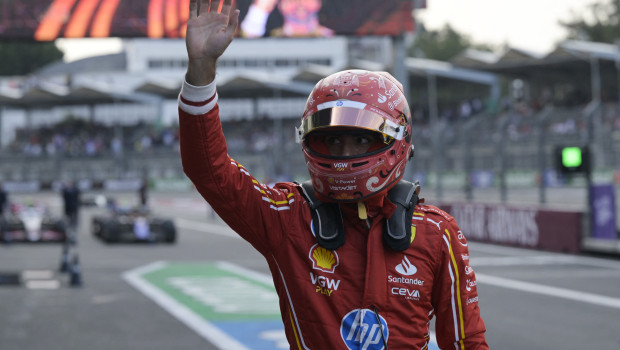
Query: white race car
31,223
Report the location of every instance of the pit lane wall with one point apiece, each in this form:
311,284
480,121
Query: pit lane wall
526,227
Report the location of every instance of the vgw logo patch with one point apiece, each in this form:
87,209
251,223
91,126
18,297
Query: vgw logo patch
360,330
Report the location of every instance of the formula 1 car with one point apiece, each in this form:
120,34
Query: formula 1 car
133,225
94,200
31,223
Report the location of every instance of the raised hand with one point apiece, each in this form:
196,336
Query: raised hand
209,33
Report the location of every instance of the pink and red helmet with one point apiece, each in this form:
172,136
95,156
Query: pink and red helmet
357,100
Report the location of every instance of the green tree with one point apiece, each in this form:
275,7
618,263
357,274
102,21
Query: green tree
443,44
601,23
21,58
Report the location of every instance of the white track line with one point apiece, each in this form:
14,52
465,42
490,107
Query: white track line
551,258
215,229
525,253
524,257
548,290
522,260
205,329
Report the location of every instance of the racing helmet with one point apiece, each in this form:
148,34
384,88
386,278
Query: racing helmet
353,101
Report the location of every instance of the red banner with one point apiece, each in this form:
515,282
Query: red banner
527,227
46,20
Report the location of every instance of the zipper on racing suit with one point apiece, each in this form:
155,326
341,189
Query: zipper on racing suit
381,326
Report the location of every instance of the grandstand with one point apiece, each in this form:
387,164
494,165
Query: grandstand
481,121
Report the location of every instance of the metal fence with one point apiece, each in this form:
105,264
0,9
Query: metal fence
509,150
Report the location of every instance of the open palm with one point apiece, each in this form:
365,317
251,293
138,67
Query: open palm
209,32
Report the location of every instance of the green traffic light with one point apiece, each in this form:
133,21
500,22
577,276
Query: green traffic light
571,157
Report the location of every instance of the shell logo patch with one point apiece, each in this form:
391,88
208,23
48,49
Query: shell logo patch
323,259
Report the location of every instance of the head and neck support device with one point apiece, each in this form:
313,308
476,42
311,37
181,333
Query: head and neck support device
329,228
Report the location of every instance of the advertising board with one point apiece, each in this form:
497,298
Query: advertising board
46,20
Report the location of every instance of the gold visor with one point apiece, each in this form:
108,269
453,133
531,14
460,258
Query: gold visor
352,117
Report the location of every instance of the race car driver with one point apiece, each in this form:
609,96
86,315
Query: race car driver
356,260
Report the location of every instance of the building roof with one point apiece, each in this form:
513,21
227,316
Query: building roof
422,66
97,64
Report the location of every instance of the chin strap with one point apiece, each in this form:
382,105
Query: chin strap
328,226
397,231
327,222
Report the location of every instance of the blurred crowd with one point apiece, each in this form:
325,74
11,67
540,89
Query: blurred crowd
78,137
260,135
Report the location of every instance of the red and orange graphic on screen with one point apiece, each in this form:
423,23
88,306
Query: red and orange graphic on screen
97,18
46,20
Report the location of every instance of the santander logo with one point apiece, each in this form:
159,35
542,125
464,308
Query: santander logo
406,268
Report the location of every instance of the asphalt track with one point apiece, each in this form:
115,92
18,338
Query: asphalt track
529,299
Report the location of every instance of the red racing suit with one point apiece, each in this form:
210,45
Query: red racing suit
359,296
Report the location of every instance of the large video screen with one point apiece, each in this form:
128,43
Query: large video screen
46,20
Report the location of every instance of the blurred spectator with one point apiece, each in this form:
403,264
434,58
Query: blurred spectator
167,138
476,105
117,146
143,192
71,200
465,109
4,199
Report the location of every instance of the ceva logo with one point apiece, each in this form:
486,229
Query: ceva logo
406,268
323,259
359,329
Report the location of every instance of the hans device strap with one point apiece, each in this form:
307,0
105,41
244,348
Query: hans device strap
329,228
326,219
397,229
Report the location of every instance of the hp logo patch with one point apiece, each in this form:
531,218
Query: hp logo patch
359,330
